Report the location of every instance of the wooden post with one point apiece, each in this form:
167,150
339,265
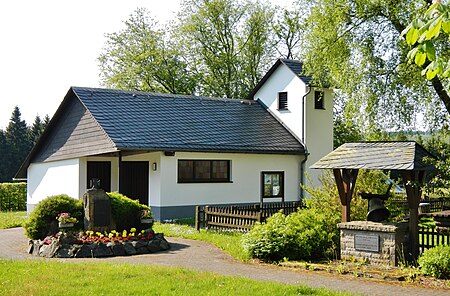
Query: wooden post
345,182
197,217
412,180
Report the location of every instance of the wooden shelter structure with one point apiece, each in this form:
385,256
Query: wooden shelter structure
405,157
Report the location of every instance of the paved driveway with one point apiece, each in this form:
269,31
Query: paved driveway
203,256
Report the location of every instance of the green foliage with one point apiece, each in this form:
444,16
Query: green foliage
13,196
426,34
141,57
355,46
306,234
217,47
312,233
42,220
436,262
126,212
439,146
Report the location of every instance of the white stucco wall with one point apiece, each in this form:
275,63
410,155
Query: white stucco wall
318,137
245,176
318,132
284,80
52,178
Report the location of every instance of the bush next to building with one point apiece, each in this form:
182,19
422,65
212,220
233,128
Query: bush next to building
42,220
13,196
436,262
125,211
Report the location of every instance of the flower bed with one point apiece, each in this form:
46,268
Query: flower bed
95,244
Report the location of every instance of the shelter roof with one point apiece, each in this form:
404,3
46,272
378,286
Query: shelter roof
377,156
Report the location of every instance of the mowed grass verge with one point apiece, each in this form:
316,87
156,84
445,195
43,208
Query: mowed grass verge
12,219
229,242
100,278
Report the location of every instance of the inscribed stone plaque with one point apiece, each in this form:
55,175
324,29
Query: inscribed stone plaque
102,212
367,242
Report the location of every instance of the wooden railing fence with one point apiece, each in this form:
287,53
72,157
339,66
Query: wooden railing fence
432,237
436,204
239,217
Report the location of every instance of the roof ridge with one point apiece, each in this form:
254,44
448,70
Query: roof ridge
163,95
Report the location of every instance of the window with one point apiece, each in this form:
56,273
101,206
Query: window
272,184
203,171
282,101
319,100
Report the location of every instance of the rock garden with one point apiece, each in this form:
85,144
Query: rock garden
102,225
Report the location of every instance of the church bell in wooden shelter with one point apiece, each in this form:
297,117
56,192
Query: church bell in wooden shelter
377,212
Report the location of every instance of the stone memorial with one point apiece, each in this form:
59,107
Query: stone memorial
97,209
375,242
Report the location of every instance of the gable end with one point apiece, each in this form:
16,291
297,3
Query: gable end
75,134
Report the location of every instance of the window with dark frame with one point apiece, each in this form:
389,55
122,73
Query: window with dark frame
282,101
272,184
203,171
319,100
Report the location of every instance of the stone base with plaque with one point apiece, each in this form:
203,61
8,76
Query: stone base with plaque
377,243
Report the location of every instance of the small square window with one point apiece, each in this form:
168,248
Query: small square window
282,101
319,100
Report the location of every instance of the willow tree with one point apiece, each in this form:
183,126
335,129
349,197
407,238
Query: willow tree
356,47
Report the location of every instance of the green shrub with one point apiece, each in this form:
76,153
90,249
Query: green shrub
13,196
436,262
306,234
126,212
42,220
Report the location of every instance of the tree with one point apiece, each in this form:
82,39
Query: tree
228,44
5,158
36,130
18,143
218,48
355,46
429,34
139,57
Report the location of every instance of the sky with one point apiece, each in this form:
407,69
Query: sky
47,46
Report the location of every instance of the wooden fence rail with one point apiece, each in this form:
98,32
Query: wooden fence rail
239,217
432,237
436,204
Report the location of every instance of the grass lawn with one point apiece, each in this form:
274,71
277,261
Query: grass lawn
100,278
230,242
12,219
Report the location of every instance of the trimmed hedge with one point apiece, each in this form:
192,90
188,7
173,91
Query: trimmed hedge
13,196
126,212
42,221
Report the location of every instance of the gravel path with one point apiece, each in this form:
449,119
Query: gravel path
204,256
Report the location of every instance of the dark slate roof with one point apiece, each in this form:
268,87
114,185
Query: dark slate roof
150,121
376,155
295,66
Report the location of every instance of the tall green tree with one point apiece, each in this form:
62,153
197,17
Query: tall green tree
36,130
229,44
4,157
18,143
142,57
356,47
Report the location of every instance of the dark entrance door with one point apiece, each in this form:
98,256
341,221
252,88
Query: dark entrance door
100,170
134,180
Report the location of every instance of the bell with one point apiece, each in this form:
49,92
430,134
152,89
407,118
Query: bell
377,211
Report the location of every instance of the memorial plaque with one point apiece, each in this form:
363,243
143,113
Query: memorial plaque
367,242
102,213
